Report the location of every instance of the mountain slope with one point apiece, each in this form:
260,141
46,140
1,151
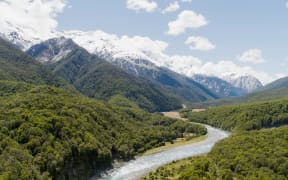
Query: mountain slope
246,116
277,89
278,84
221,87
246,82
17,66
139,64
182,86
99,79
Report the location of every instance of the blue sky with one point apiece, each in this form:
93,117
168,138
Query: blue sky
248,35
233,27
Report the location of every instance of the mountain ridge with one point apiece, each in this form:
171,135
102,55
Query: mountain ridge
98,78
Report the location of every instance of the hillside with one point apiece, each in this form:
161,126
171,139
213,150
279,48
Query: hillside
17,66
99,79
249,116
250,155
275,90
221,87
47,132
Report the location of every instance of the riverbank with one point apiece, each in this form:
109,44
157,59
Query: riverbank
140,166
187,139
178,142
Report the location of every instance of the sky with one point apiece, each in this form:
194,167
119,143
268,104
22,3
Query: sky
246,35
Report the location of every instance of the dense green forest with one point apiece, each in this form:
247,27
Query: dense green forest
251,152
244,116
255,155
46,132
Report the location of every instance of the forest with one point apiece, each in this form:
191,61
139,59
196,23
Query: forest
47,132
249,116
257,148
257,154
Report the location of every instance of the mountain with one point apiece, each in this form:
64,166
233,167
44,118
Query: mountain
17,66
247,82
275,90
158,68
139,64
278,84
120,52
52,50
98,78
221,87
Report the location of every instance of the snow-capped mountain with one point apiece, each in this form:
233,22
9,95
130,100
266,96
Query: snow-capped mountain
223,88
247,82
185,88
112,49
52,50
120,52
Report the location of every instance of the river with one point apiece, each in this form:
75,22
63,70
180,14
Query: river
135,169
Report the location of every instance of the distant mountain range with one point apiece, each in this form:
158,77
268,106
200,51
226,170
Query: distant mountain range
221,87
156,68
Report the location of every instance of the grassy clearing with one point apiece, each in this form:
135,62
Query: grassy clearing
178,142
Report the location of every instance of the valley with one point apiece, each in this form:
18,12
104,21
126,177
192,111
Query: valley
143,90
141,165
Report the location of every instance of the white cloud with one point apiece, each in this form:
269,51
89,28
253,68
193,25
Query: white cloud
144,44
199,43
174,6
287,4
252,56
142,5
36,15
187,1
186,20
226,67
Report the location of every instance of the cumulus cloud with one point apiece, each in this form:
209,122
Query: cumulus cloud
37,15
142,5
172,7
252,56
144,43
199,43
186,20
227,67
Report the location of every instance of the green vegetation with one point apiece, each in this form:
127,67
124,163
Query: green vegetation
275,90
251,153
244,116
47,132
187,139
16,66
255,155
99,79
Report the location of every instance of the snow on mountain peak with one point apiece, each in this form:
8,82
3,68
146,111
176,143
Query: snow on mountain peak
52,50
245,81
138,51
